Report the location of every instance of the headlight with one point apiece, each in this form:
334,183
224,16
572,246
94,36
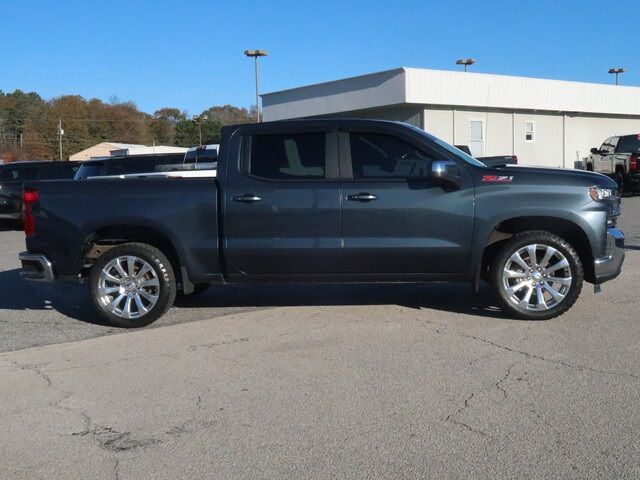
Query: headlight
598,194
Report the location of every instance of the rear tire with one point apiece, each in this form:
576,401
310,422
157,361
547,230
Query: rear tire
132,285
543,288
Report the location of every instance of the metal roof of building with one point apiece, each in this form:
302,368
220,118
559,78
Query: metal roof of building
451,88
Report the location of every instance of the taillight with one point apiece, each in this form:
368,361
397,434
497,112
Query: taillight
29,198
633,162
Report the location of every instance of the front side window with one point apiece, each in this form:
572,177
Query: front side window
384,156
295,156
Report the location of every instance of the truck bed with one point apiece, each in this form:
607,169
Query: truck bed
182,210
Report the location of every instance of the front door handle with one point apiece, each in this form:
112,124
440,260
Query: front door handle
247,198
362,197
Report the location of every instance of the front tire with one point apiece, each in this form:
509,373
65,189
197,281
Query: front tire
132,285
538,275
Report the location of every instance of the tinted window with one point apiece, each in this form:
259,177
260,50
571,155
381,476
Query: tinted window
19,173
290,156
57,172
629,144
87,170
132,165
386,156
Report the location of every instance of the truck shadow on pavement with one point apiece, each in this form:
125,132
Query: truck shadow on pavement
72,300
451,297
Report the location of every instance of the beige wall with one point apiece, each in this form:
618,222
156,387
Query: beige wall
559,140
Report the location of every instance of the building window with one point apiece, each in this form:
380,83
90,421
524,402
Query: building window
529,132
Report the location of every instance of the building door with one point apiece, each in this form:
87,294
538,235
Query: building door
476,137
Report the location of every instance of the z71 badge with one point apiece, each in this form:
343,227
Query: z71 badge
497,179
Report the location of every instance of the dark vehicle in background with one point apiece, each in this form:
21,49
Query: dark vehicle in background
495,161
13,175
618,158
203,156
129,164
327,201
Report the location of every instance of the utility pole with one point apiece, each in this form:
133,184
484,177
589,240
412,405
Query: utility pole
255,54
60,133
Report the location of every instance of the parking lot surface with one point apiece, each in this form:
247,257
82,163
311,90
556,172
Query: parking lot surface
379,381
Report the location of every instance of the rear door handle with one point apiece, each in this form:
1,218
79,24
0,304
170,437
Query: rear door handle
362,197
247,198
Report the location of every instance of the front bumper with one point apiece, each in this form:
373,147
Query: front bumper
36,267
609,266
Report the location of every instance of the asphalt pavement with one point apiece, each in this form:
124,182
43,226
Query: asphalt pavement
348,381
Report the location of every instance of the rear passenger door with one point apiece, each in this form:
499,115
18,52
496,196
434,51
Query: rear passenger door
396,219
282,203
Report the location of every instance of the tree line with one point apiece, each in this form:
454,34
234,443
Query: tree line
29,125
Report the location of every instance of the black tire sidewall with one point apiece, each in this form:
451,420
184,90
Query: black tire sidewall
163,269
575,265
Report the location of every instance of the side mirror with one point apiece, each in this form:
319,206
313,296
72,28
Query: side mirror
595,151
445,170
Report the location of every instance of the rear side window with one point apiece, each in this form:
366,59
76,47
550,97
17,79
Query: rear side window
58,172
19,173
385,156
288,156
629,144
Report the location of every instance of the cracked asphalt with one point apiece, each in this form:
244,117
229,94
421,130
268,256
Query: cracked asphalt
385,381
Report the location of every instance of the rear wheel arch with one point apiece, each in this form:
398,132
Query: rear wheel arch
107,237
565,229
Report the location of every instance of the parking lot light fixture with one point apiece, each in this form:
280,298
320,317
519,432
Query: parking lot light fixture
466,62
616,71
255,54
199,120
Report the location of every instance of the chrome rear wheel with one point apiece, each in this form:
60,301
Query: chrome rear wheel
128,287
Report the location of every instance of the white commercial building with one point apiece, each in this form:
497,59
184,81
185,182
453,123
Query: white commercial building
543,122
105,149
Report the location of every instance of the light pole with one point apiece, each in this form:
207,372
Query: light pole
199,120
466,62
617,71
255,54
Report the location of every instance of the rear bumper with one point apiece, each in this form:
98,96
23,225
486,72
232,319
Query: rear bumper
609,266
36,267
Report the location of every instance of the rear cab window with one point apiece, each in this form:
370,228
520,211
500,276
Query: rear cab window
89,169
66,170
629,144
19,173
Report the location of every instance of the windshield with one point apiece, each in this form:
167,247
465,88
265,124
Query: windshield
456,151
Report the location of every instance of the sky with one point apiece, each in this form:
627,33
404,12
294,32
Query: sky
189,54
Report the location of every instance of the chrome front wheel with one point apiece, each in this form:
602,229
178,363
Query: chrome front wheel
537,277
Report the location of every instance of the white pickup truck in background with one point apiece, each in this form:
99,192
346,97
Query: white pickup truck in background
618,157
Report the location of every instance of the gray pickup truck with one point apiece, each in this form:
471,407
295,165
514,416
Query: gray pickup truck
618,158
327,201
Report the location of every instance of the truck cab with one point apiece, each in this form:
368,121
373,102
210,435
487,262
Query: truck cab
618,158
